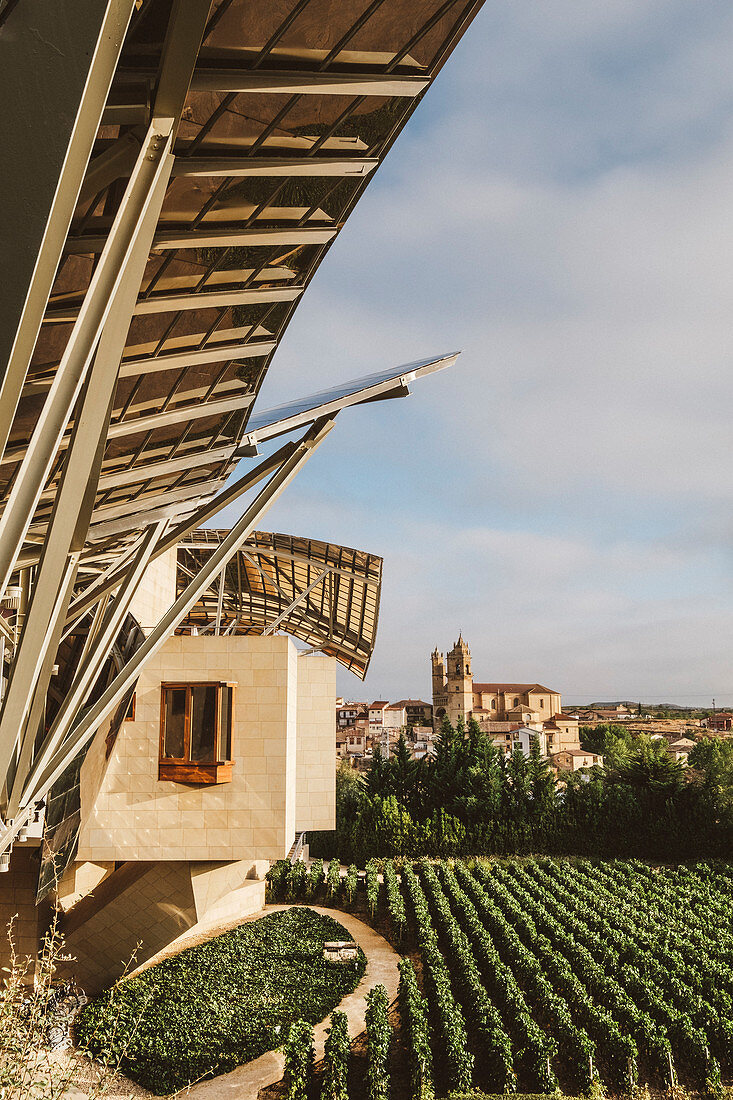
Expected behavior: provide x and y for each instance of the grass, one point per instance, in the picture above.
(222, 1003)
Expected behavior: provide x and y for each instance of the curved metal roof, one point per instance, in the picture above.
(325, 595)
(282, 117)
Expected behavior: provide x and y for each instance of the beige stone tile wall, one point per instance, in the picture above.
(140, 920)
(18, 904)
(316, 755)
(134, 816)
(80, 879)
(157, 591)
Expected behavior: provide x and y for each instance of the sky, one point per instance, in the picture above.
(560, 208)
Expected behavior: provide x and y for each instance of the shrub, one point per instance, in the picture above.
(297, 881)
(33, 1007)
(414, 1014)
(298, 1060)
(222, 1003)
(336, 1059)
(315, 878)
(333, 879)
(277, 878)
(379, 1037)
(351, 881)
(372, 885)
(395, 903)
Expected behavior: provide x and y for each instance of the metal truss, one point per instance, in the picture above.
(72, 728)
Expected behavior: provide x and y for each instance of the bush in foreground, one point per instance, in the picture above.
(222, 1003)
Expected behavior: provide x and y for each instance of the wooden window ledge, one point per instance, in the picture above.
(198, 775)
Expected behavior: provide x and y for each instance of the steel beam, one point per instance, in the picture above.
(210, 299)
(284, 83)
(140, 505)
(207, 299)
(91, 665)
(139, 208)
(56, 66)
(296, 602)
(217, 353)
(273, 167)
(214, 238)
(69, 523)
(180, 412)
(88, 599)
(130, 523)
(149, 471)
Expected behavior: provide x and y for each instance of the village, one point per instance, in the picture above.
(512, 714)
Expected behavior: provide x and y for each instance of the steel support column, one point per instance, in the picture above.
(272, 627)
(88, 599)
(91, 664)
(56, 68)
(69, 522)
(138, 211)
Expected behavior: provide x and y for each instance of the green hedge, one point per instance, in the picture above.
(222, 1003)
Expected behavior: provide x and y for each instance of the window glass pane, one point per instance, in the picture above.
(203, 722)
(174, 717)
(226, 723)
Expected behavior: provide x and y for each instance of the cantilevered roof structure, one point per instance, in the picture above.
(174, 173)
(326, 595)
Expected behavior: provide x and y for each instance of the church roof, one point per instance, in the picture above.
(513, 687)
(563, 719)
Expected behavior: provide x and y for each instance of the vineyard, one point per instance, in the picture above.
(541, 974)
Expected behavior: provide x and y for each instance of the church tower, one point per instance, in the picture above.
(459, 682)
(440, 690)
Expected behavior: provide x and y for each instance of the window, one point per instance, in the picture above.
(542, 704)
(196, 732)
(516, 702)
(493, 704)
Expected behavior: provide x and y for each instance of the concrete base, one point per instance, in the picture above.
(139, 911)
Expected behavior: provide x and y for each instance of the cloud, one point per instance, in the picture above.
(560, 208)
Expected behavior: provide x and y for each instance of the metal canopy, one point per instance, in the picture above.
(278, 127)
(374, 387)
(325, 595)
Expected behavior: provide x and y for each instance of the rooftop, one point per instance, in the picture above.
(512, 687)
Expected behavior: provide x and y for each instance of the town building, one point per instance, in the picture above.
(347, 714)
(681, 749)
(500, 708)
(523, 738)
(722, 722)
(575, 760)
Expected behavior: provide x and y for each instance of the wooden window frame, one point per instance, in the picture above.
(183, 769)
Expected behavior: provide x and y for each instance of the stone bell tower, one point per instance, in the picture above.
(440, 690)
(459, 682)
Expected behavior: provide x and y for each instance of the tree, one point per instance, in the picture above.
(377, 778)
(651, 767)
(349, 790)
(542, 782)
(403, 772)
